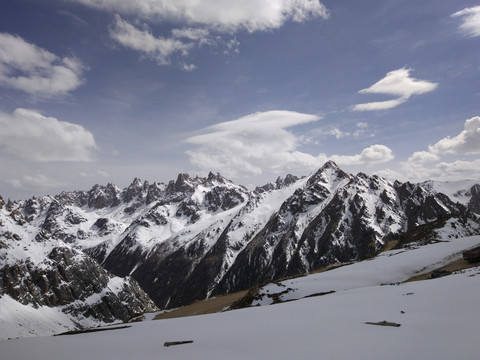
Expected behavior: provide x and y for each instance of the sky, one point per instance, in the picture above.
(99, 91)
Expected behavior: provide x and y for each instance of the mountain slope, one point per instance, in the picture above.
(39, 271)
(334, 325)
(201, 236)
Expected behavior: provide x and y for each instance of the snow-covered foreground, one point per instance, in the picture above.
(439, 320)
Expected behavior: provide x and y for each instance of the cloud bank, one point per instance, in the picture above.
(35, 182)
(396, 83)
(229, 16)
(252, 145)
(31, 136)
(467, 142)
(470, 21)
(26, 67)
(429, 165)
(260, 143)
(374, 154)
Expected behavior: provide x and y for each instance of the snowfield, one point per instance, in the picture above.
(439, 319)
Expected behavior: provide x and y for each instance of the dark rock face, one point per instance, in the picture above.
(474, 203)
(76, 282)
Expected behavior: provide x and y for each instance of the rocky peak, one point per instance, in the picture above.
(154, 192)
(104, 196)
(281, 183)
(11, 205)
(134, 190)
(211, 177)
(182, 184)
(31, 207)
(328, 173)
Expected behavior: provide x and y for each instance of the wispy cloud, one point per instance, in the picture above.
(252, 145)
(189, 67)
(197, 34)
(470, 20)
(157, 48)
(396, 83)
(29, 68)
(29, 135)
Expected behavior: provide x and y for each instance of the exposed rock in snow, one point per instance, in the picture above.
(195, 237)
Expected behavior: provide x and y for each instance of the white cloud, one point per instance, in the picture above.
(362, 130)
(379, 105)
(157, 48)
(207, 21)
(196, 34)
(26, 67)
(254, 144)
(31, 136)
(421, 157)
(470, 20)
(229, 16)
(424, 165)
(460, 169)
(467, 142)
(35, 182)
(232, 47)
(260, 143)
(337, 133)
(189, 67)
(97, 173)
(396, 83)
(374, 154)
(441, 171)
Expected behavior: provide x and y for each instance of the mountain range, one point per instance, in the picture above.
(109, 254)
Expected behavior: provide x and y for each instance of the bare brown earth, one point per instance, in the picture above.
(456, 265)
(213, 305)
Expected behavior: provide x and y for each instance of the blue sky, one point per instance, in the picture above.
(97, 91)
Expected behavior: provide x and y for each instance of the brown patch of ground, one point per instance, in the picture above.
(459, 264)
(210, 306)
(389, 245)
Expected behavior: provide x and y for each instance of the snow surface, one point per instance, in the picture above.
(439, 320)
(21, 320)
(389, 267)
(455, 190)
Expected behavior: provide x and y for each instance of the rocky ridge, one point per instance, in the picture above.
(196, 237)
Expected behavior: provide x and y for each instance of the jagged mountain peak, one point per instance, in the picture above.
(330, 164)
(329, 173)
(201, 236)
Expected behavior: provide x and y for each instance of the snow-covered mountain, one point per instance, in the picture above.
(196, 237)
(332, 316)
(40, 271)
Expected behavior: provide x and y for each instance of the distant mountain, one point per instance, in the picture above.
(200, 236)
